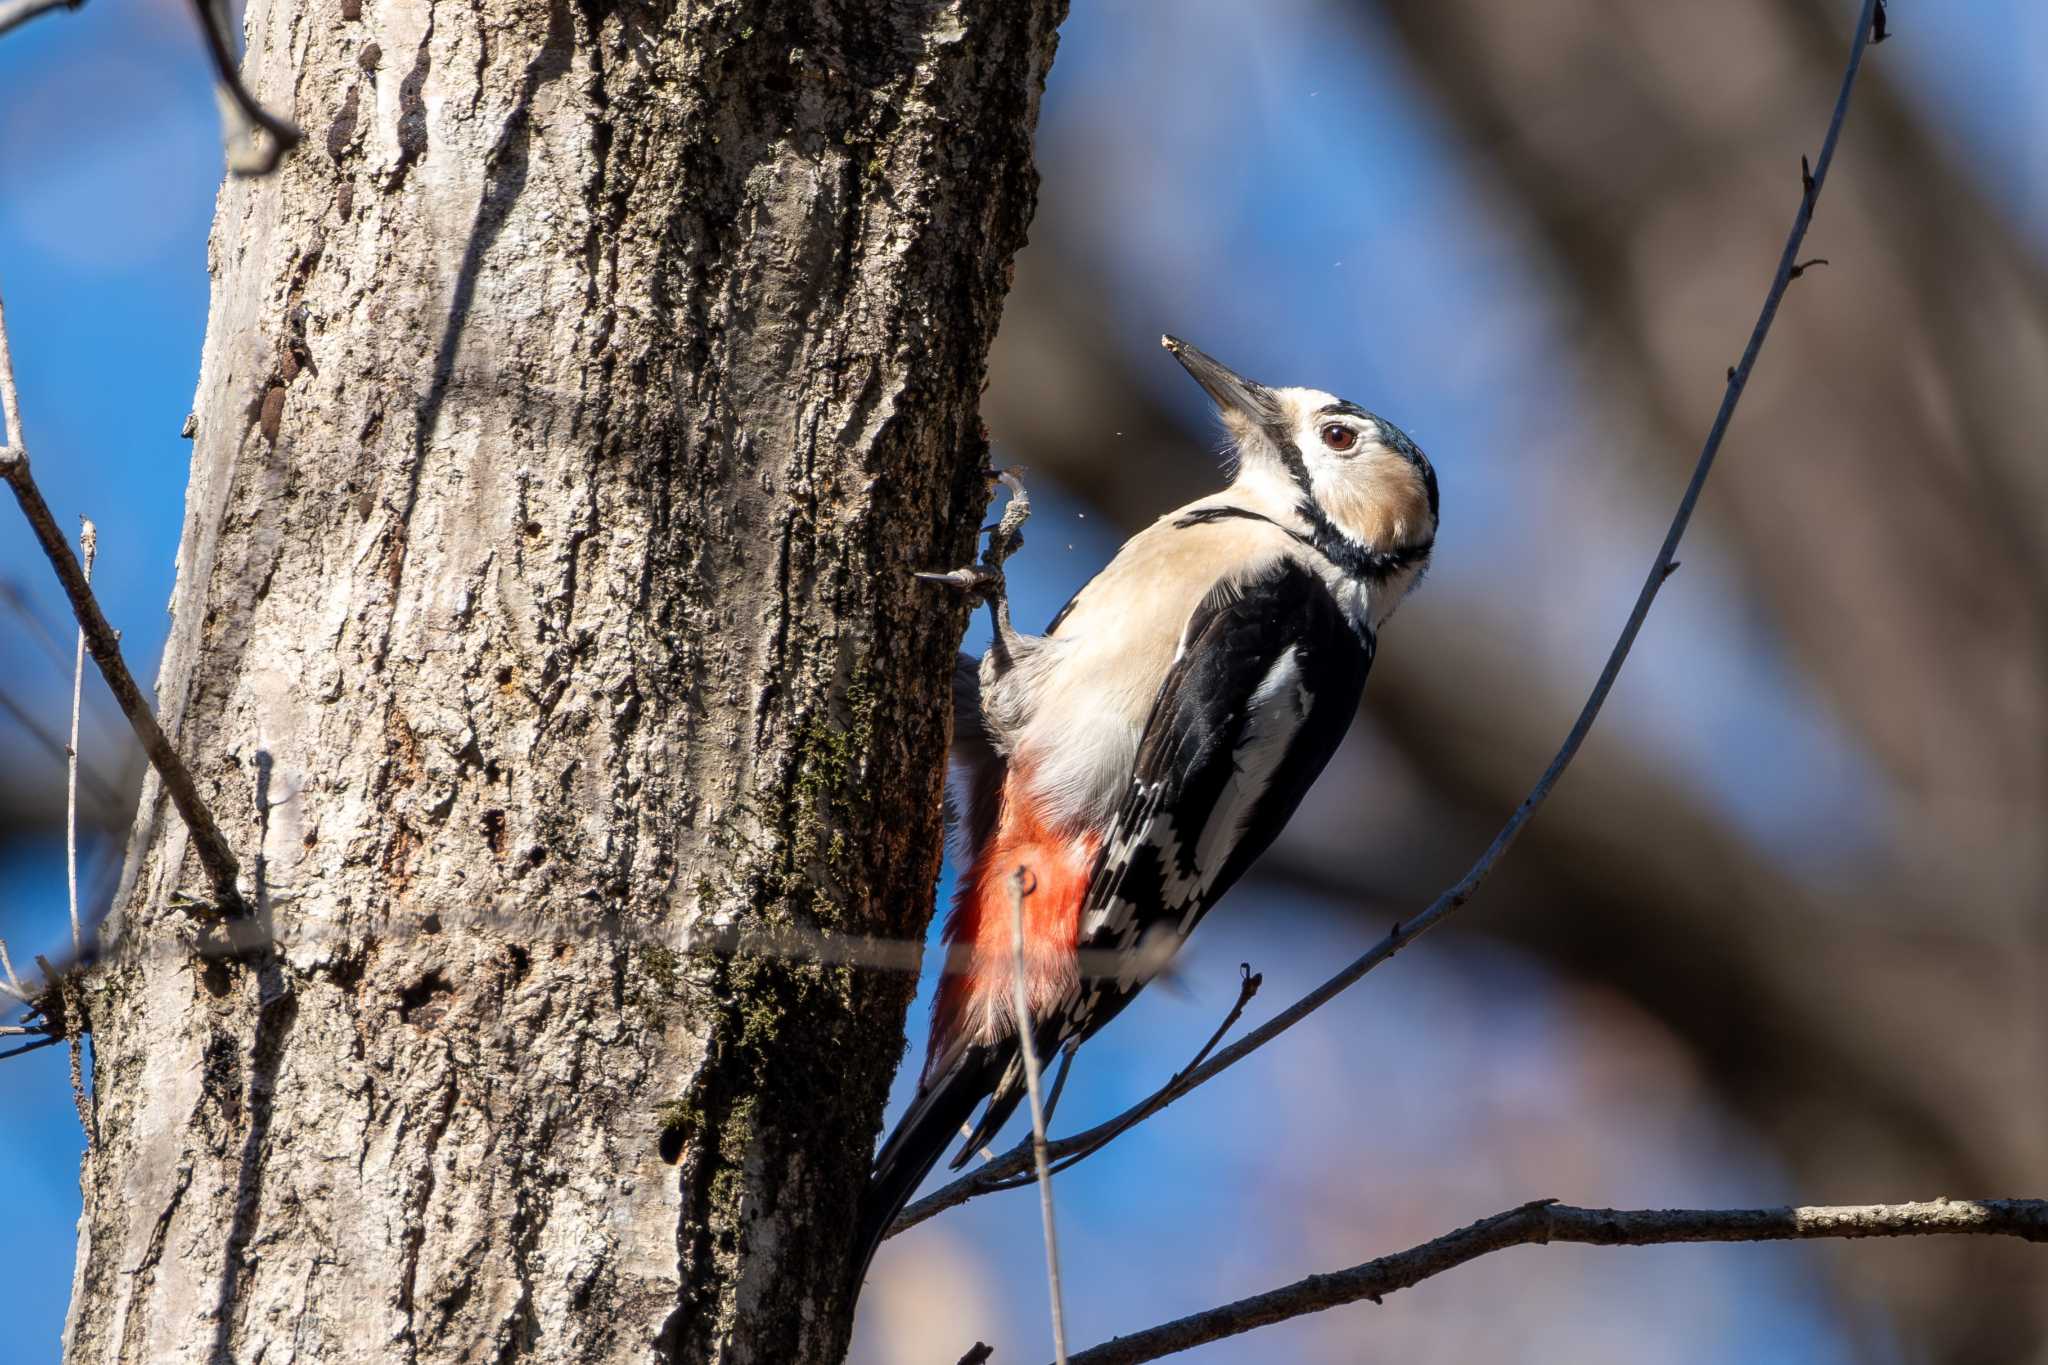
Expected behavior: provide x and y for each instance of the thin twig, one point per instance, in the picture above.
(1072, 1151)
(36, 1046)
(226, 69)
(13, 986)
(103, 642)
(74, 1007)
(88, 544)
(10, 400)
(18, 12)
(1012, 1169)
(1027, 1051)
(992, 1176)
(1249, 982)
(283, 135)
(1545, 1221)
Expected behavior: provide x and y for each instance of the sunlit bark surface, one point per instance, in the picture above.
(574, 407)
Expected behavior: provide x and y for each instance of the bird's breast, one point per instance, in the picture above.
(1097, 678)
(1081, 741)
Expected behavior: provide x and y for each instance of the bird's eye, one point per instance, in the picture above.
(1339, 437)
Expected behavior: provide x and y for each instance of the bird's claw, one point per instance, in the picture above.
(983, 582)
(973, 578)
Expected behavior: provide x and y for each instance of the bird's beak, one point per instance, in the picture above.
(1234, 394)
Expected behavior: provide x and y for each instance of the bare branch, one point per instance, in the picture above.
(88, 544)
(13, 985)
(1059, 1080)
(1011, 1170)
(16, 12)
(1072, 1151)
(241, 116)
(103, 642)
(1547, 1221)
(264, 157)
(1027, 1052)
(36, 1046)
(999, 1174)
(1088, 1144)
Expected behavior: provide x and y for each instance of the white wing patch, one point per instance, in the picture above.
(1276, 711)
(1274, 714)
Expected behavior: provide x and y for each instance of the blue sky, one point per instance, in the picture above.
(108, 163)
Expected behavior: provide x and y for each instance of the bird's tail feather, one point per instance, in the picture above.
(921, 1138)
(1006, 1085)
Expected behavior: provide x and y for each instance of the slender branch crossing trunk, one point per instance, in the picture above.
(575, 405)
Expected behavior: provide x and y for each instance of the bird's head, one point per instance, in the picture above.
(1331, 461)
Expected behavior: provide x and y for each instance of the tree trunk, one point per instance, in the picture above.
(575, 405)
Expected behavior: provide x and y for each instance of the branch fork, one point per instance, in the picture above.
(50, 1009)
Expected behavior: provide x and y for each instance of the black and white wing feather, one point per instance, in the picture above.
(1265, 686)
(1266, 682)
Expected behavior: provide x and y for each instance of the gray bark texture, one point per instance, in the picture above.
(575, 405)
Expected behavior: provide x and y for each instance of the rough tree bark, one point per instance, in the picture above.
(574, 407)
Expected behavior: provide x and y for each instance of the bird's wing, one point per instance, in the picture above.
(1265, 684)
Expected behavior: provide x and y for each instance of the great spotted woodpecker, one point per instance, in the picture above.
(1140, 755)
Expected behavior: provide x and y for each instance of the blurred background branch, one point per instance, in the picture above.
(255, 139)
(14, 13)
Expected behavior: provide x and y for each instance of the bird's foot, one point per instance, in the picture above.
(983, 581)
(1006, 537)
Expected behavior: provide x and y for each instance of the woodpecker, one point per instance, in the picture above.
(1139, 756)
